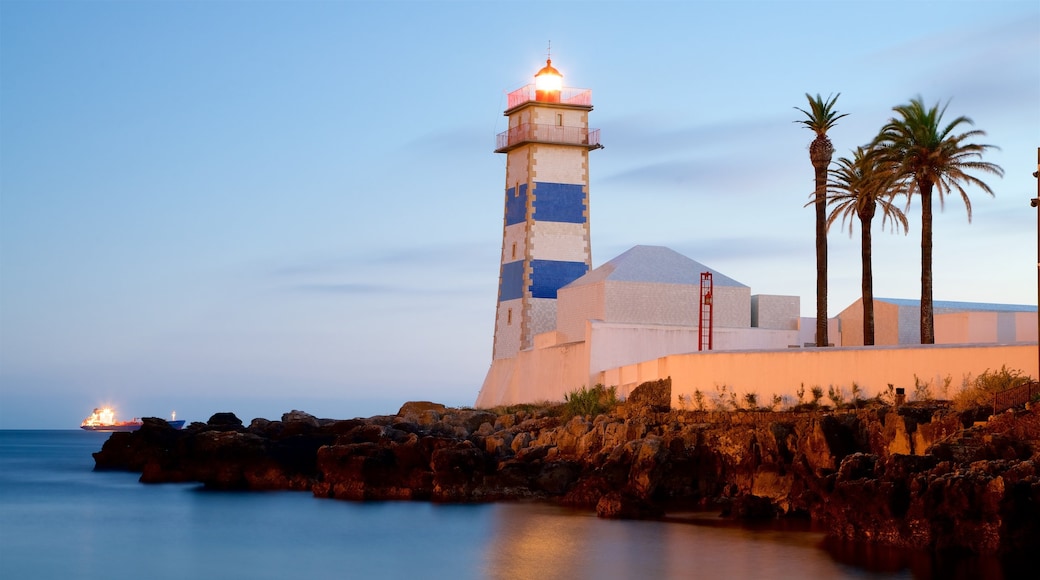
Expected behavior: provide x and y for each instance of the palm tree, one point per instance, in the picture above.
(820, 117)
(930, 155)
(860, 186)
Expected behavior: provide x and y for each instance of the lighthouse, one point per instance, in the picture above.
(545, 232)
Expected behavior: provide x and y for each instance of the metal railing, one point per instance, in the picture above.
(545, 133)
(1015, 396)
(568, 96)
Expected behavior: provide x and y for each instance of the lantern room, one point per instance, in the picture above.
(548, 83)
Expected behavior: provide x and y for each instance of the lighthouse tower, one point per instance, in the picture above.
(545, 235)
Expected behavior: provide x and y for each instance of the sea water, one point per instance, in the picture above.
(61, 519)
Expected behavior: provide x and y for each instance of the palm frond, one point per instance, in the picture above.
(862, 185)
(821, 116)
(924, 151)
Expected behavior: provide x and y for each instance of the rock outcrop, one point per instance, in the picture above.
(911, 476)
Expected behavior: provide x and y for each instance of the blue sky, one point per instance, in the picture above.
(264, 206)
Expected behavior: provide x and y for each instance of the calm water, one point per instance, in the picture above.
(60, 519)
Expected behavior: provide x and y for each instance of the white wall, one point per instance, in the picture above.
(577, 305)
(835, 331)
(535, 375)
(775, 312)
(1026, 329)
(783, 372)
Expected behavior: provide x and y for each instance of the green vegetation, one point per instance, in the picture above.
(817, 394)
(979, 392)
(698, 400)
(685, 402)
(888, 396)
(693, 402)
(860, 186)
(751, 400)
(819, 119)
(724, 399)
(856, 395)
(837, 396)
(925, 154)
(776, 402)
(544, 408)
(594, 401)
(915, 153)
(922, 390)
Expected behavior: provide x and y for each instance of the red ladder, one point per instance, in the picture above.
(707, 316)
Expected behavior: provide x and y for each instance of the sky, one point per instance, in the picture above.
(261, 206)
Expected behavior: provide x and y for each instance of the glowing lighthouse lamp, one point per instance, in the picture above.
(547, 83)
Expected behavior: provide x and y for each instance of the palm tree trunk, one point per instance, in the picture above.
(821, 254)
(927, 318)
(867, 282)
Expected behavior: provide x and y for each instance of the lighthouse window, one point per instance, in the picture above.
(514, 250)
(509, 316)
(559, 119)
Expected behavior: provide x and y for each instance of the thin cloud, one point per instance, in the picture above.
(347, 288)
(434, 255)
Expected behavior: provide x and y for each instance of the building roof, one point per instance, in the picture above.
(656, 264)
(951, 306)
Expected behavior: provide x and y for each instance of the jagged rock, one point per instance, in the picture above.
(649, 459)
(416, 408)
(557, 477)
(617, 505)
(295, 416)
(751, 507)
(975, 489)
(775, 484)
(224, 421)
(499, 445)
(652, 396)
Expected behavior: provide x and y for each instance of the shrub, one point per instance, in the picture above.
(817, 394)
(776, 402)
(856, 392)
(837, 396)
(887, 397)
(721, 398)
(698, 400)
(594, 401)
(922, 390)
(979, 392)
(685, 402)
(539, 408)
(751, 400)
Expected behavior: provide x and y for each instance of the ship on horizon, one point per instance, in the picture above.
(104, 419)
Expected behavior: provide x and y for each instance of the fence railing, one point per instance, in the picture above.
(545, 133)
(567, 96)
(1015, 396)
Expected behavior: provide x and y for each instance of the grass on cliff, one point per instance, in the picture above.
(539, 409)
(594, 401)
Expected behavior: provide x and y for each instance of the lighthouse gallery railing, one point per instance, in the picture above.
(545, 133)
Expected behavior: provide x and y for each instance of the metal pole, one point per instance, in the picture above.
(1036, 202)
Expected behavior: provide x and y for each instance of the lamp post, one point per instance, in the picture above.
(1036, 202)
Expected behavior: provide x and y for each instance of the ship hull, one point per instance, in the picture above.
(127, 426)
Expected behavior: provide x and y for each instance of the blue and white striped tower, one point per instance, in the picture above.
(545, 237)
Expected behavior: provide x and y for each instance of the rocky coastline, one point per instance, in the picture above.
(915, 476)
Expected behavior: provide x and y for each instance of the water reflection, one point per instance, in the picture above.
(952, 565)
(545, 542)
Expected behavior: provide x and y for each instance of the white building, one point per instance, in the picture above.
(898, 321)
(642, 305)
(652, 313)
